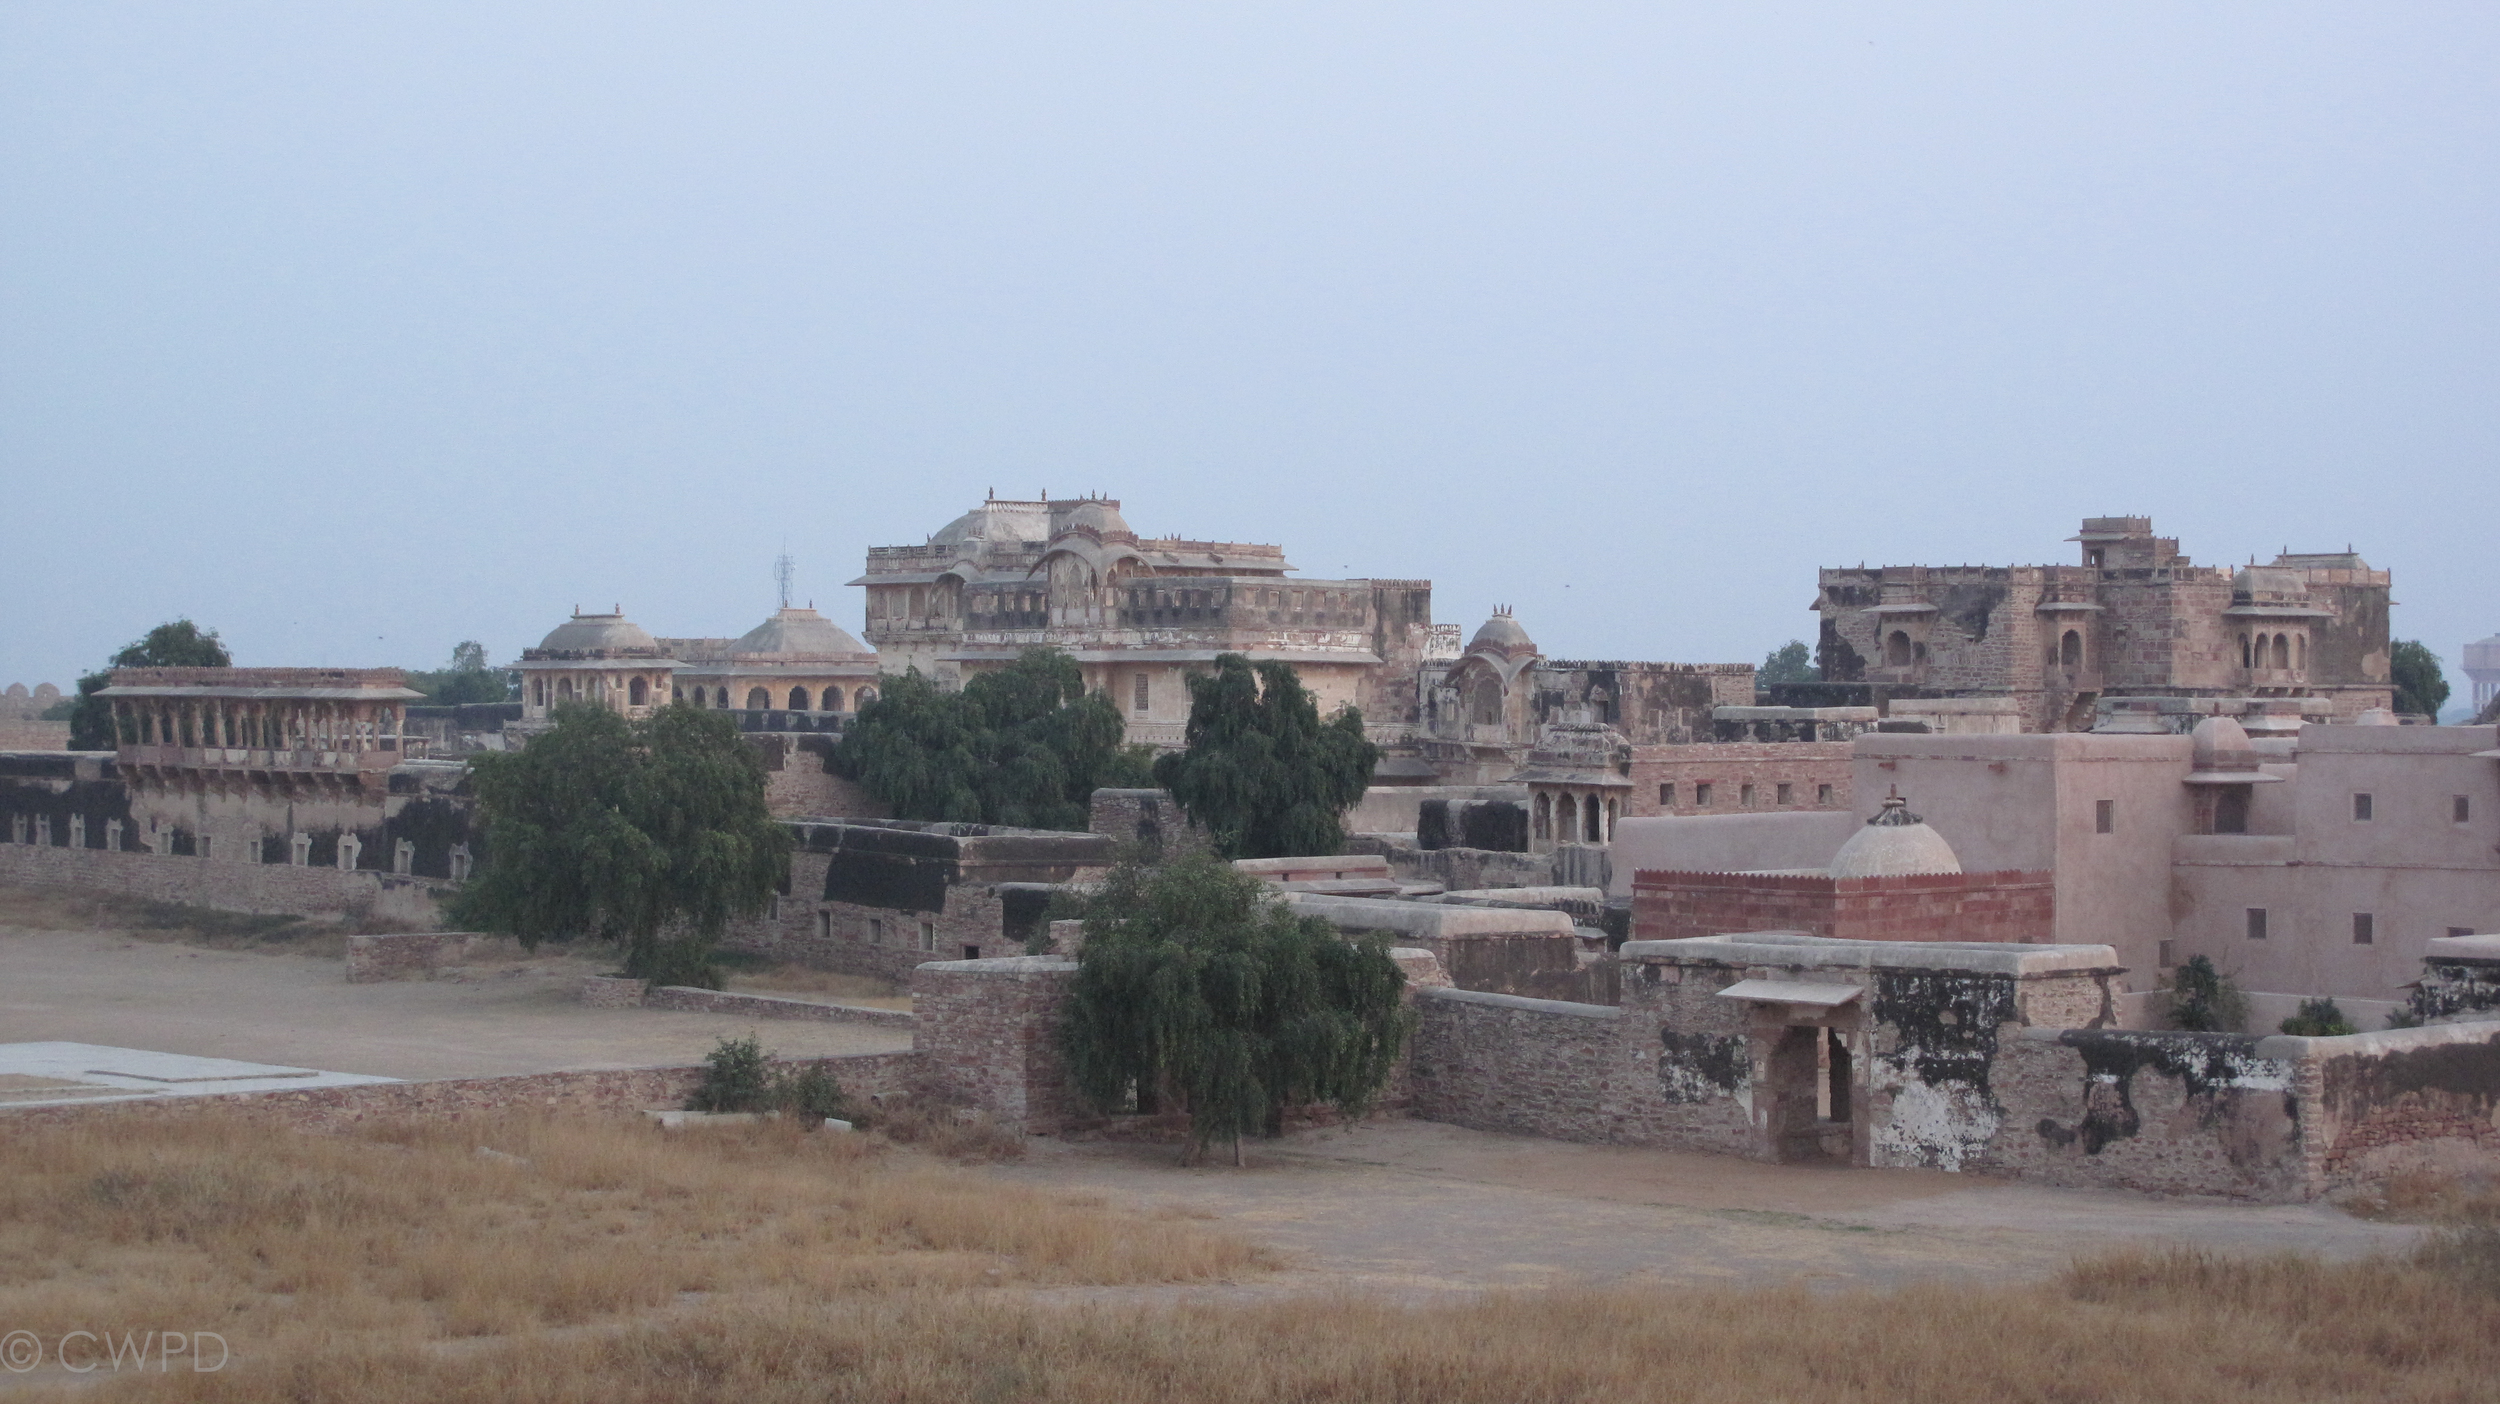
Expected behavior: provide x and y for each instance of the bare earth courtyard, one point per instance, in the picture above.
(1409, 1207)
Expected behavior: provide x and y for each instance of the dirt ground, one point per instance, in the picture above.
(519, 1014)
(1418, 1208)
(1413, 1208)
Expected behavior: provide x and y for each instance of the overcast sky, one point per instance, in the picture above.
(356, 330)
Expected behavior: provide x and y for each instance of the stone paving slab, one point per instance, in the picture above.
(44, 1074)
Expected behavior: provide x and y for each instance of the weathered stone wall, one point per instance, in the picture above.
(755, 1006)
(276, 889)
(608, 1091)
(2175, 1113)
(989, 1036)
(1458, 869)
(1741, 776)
(798, 786)
(1533, 1067)
(409, 955)
(1149, 818)
(1988, 907)
(2378, 1104)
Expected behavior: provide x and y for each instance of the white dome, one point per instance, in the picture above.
(598, 633)
(801, 632)
(1895, 843)
(1502, 634)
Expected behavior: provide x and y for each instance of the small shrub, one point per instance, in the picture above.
(737, 1077)
(809, 1093)
(2318, 1018)
(2203, 999)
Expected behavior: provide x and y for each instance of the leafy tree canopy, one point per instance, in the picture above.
(1263, 775)
(2204, 999)
(1791, 662)
(178, 643)
(468, 679)
(2420, 684)
(1196, 984)
(1023, 746)
(649, 833)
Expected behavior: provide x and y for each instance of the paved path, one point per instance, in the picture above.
(482, 1021)
(1422, 1208)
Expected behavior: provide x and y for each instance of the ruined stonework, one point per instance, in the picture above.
(403, 955)
(879, 897)
(2134, 619)
(989, 1037)
(1482, 715)
(1150, 819)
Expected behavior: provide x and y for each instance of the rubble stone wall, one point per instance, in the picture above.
(608, 1091)
(272, 889)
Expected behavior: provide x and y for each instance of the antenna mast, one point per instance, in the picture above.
(783, 569)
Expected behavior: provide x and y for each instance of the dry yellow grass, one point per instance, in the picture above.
(2153, 1328)
(782, 979)
(401, 1265)
(404, 1234)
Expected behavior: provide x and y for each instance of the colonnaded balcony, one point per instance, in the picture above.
(272, 726)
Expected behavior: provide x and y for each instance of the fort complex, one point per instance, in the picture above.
(1919, 913)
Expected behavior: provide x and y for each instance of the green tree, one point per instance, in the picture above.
(1263, 775)
(2204, 1000)
(467, 680)
(651, 834)
(1197, 985)
(1025, 745)
(2318, 1018)
(178, 643)
(1791, 662)
(2420, 685)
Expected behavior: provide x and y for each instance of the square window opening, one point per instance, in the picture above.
(2364, 928)
(2104, 816)
(1701, 795)
(1785, 795)
(2362, 805)
(2167, 956)
(2256, 923)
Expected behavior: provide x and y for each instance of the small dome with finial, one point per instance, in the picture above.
(1895, 843)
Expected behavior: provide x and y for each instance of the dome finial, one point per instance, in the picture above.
(1895, 813)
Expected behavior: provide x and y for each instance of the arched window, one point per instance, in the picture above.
(1897, 650)
(832, 699)
(1589, 831)
(2244, 650)
(2070, 649)
(864, 696)
(2283, 652)
(758, 700)
(2300, 650)
(1544, 822)
(720, 698)
(1485, 702)
(798, 699)
(637, 693)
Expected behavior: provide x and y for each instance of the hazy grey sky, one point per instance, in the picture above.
(355, 330)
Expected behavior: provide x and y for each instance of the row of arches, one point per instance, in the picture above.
(2282, 652)
(759, 699)
(1564, 818)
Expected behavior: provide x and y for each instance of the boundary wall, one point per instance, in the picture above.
(265, 889)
